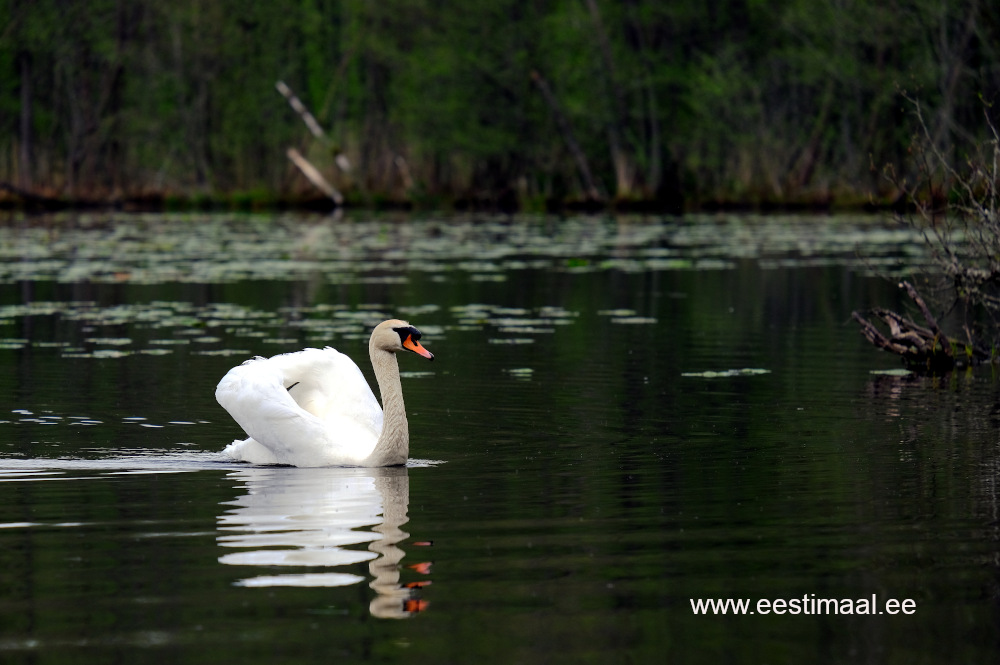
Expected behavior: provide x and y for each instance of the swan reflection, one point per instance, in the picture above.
(310, 518)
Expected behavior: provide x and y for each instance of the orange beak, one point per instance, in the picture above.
(415, 346)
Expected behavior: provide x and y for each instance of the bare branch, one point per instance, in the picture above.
(912, 292)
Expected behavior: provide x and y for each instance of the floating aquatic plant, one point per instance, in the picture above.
(212, 249)
(892, 372)
(726, 373)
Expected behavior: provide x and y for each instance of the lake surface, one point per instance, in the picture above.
(624, 416)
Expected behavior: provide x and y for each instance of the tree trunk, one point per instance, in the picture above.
(616, 123)
(24, 170)
(567, 133)
(653, 150)
(802, 170)
(953, 55)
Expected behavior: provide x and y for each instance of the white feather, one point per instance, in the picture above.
(308, 408)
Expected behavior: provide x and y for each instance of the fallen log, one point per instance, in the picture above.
(921, 347)
(314, 176)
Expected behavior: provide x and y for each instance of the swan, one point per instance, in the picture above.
(314, 408)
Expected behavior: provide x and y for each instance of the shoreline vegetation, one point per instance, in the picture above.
(13, 198)
(500, 105)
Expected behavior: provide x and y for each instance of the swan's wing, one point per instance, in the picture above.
(328, 384)
(333, 418)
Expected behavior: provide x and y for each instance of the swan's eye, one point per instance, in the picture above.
(410, 332)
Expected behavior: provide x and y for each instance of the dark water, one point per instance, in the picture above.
(623, 416)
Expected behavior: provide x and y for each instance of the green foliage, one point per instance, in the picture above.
(759, 99)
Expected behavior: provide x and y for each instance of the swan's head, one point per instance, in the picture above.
(395, 335)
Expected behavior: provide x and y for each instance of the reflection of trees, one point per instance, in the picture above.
(309, 518)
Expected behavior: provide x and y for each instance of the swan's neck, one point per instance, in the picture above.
(393, 445)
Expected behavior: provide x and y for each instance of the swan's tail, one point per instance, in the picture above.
(250, 451)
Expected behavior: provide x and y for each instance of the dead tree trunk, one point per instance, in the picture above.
(339, 158)
(314, 176)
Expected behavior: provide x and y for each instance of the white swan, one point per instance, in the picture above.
(314, 407)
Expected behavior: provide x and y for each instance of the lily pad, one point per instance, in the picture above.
(726, 373)
(892, 372)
